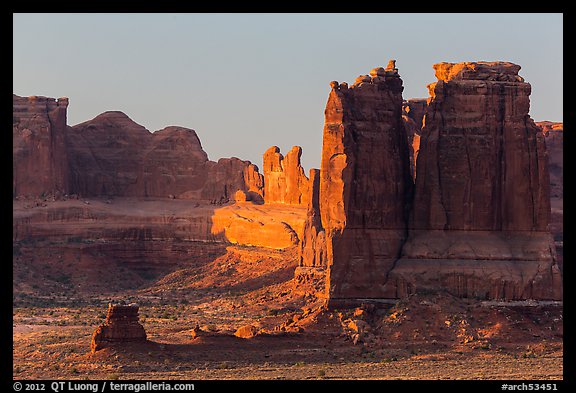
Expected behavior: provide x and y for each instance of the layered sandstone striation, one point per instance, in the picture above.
(156, 222)
(479, 225)
(121, 326)
(364, 188)
(39, 156)
(284, 178)
(111, 155)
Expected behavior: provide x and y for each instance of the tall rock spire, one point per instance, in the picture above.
(365, 187)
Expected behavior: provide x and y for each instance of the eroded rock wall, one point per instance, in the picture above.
(112, 156)
(365, 187)
(479, 226)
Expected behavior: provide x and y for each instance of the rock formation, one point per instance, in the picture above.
(106, 156)
(38, 146)
(121, 326)
(554, 138)
(365, 187)
(225, 177)
(111, 155)
(479, 226)
(284, 178)
(310, 274)
(167, 162)
(246, 331)
(413, 111)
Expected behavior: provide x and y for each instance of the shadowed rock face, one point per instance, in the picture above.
(106, 156)
(38, 146)
(284, 178)
(554, 138)
(415, 109)
(365, 186)
(310, 275)
(479, 225)
(111, 155)
(313, 246)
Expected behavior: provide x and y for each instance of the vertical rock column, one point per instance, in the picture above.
(364, 188)
(481, 206)
(310, 275)
(40, 164)
(121, 326)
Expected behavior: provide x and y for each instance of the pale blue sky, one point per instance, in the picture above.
(246, 82)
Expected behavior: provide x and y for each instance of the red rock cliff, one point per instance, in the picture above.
(38, 146)
(479, 226)
(111, 155)
(365, 186)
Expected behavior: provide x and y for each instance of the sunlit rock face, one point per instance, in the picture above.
(358, 224)
(284, 178)
(479, 225)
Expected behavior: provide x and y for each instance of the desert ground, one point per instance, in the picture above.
(192, 307)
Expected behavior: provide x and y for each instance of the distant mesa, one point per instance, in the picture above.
(111, 155)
